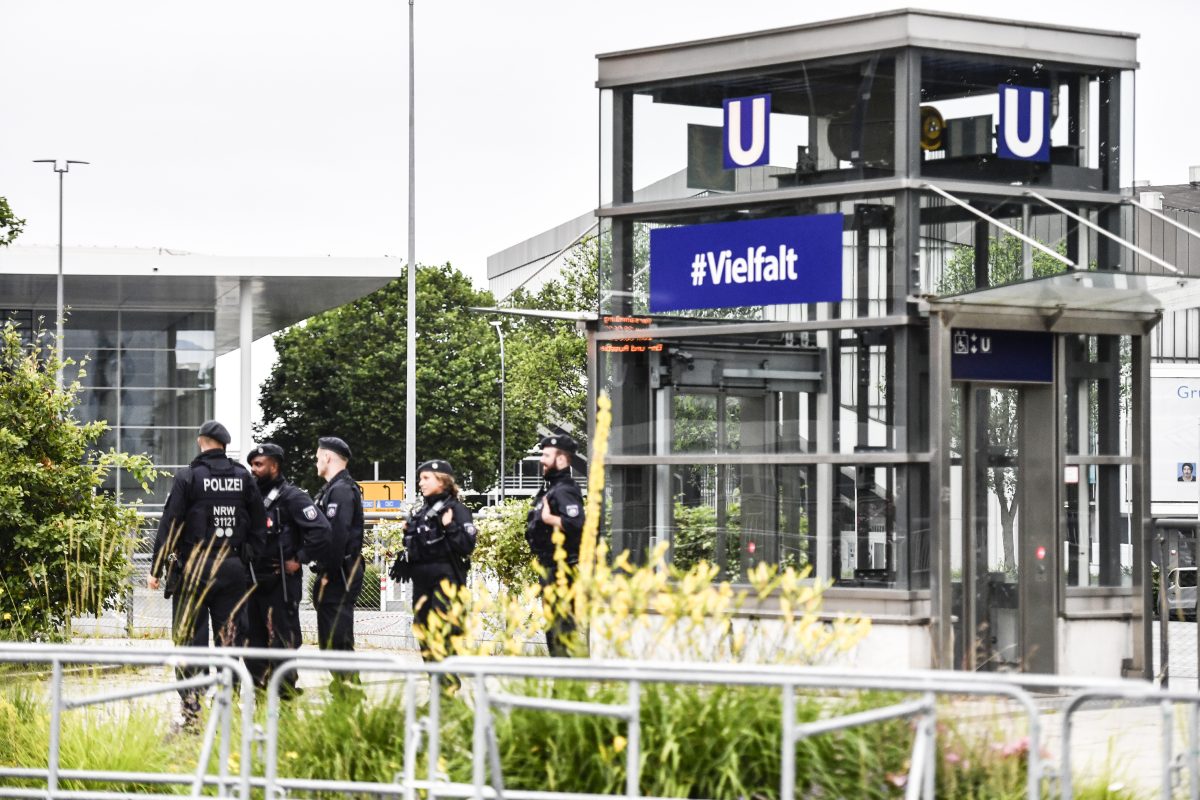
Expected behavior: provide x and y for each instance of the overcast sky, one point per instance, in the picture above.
(265, 127)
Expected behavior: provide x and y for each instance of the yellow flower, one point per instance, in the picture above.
(619, 743)
(7, 616)
(291, 755)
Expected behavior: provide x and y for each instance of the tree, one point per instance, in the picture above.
(546, 359)
(10, 224)
(342, 373)
(1005, 265)
(65, 542)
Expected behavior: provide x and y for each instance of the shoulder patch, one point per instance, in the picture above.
(331, 511)
(310, 513)
(572, 510)
(469, 528)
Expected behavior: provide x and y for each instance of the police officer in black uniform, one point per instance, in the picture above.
(438, 542)
(558, 506)
(297, 533)
(340, 580)
(212, 523)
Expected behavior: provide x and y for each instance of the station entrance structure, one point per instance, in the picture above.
(957, 436)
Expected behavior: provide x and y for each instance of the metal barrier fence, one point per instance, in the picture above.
(491, 681)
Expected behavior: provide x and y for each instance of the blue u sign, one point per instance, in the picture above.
(747, 131)
(1024, 123)
(753, 263)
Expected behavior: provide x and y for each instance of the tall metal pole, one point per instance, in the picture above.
(410, 424)
(58, 304)
(503, 462)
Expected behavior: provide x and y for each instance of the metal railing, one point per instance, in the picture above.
(491, 682)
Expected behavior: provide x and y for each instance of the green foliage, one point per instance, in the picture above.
(355, 740)
(696, 534)
(128, 740)
(546, 359)
(10, 224)
(1005, 265)
(66, 542)
(500, 549)
(342, 373)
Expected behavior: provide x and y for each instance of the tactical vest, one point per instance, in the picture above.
(217, 514)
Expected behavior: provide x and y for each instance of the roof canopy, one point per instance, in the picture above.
(284, 290)
(868, 34)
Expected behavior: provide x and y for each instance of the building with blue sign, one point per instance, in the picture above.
(903, 341)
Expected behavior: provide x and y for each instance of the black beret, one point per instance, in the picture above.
(436, 465)
(215, 431)
(560, 441)
(270, 450)
(336, 445)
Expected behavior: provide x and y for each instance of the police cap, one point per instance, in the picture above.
(270, 450)
(436, 465)
(334, 444)
(215, 431)
(559, 441)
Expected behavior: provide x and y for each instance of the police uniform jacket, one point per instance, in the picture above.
(213, 501)
(434, 549)
(562, 493)
(341, 503)
(296, 529)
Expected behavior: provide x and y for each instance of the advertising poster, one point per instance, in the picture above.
(1174, 439)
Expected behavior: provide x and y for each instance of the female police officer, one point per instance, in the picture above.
(438, 542)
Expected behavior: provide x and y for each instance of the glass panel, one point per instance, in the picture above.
(1097, 550)
(165, 445)
(90, 330)
(865, 542)
(960, 108)
(996, 530)
(94, 369)
(167, 330)
(97, 404)
(829, 121)
(170, 407)
(188, 369)
(738, 516)
(862, 424)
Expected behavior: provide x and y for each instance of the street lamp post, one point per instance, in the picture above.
(58, 308)
(500, 332)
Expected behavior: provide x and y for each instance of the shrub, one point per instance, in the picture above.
(66, 550)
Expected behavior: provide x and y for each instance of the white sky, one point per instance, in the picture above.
(279, 127)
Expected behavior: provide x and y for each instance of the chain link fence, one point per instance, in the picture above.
(382, 617)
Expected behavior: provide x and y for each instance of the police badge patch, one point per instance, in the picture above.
(572, 510)
(310, 513)
(331, 512)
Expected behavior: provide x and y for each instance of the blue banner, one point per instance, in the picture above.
(1002, 356)
(1024, 132)
(753, 263)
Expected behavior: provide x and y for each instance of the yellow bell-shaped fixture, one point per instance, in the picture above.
(933, 129)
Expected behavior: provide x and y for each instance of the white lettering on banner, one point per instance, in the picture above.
(222, 484)
(757, 267)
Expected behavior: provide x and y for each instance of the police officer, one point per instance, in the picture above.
(297, 533)
(212, 523)
(558, 506)
(438, 542)
(340, 580)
